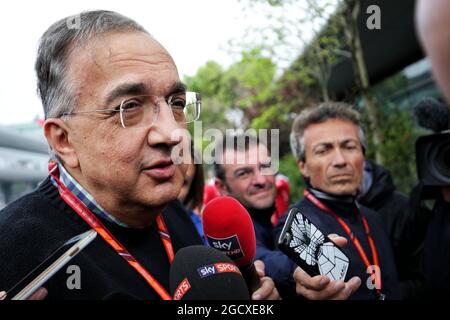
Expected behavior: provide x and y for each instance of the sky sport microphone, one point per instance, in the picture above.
(204, 273)
(228, 227)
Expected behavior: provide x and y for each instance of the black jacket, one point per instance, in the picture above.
(277, 265)
(436, 260)
(35, 225)
(328, 225)
(405, 225)
(392, 206)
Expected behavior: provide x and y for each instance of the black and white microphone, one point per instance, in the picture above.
(204, 273)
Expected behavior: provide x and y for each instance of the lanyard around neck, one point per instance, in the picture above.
(80, 208)
(353, 238)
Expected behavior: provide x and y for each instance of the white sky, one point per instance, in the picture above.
(192, 31)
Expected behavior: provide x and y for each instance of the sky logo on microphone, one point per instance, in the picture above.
(207, 271)
(230, 246)
(221, 267)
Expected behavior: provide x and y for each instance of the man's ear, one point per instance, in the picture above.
(56, 132)
(221, 186)
(303, 168)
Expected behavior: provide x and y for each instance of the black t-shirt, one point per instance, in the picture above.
(38, 223)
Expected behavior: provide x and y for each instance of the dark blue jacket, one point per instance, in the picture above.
(277, 265)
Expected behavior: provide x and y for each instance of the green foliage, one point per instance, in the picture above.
(266, 117)
(288, 33)
(398, 147)
(289, 168)
(209, 82)
(208, 79)
(250, 85)
(248, 81)
(397, 129)
(247, 85)
(272, 116)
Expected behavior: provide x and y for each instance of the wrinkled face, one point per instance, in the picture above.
(333, 157)
(249, 177)
(130, 166)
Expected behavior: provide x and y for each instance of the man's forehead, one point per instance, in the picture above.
(135, 52)
(118, 45)
(119, 59)
(331, 131)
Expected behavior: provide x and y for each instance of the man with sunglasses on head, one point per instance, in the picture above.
(112, 100)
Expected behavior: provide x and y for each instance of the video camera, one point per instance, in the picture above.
(433, 151)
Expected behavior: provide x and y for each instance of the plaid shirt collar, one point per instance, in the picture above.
(85, 197)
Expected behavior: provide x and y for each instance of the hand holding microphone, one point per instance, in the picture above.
(229, 228)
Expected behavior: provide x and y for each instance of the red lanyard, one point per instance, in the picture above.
(80, 208)
(353, 238)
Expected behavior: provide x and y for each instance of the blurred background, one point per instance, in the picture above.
(256, 63)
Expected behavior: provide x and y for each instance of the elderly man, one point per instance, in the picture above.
(112, 99)
(328, 144)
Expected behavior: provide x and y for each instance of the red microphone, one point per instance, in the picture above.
(229, 228)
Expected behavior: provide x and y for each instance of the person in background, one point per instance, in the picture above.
(191, 193)
(406, 227)
(328, 143)
(243, 171)
(433, 26)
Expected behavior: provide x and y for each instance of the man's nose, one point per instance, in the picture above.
(338, 158)
(164, 128)
(259, 178)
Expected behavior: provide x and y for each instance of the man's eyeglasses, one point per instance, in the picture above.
(143, 110)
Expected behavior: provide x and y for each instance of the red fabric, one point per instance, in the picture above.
(282, 200)
(210, 192)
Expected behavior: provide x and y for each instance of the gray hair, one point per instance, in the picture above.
(325, 111)
(55, 47)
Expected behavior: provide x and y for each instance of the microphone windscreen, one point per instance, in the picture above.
(229, 228)
(432, 114)
(204, 273)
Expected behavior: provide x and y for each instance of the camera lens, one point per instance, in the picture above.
(443, 159)
(433, 159)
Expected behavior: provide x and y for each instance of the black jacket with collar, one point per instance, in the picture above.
(38, 223)
(406, 224)
(350, 214)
